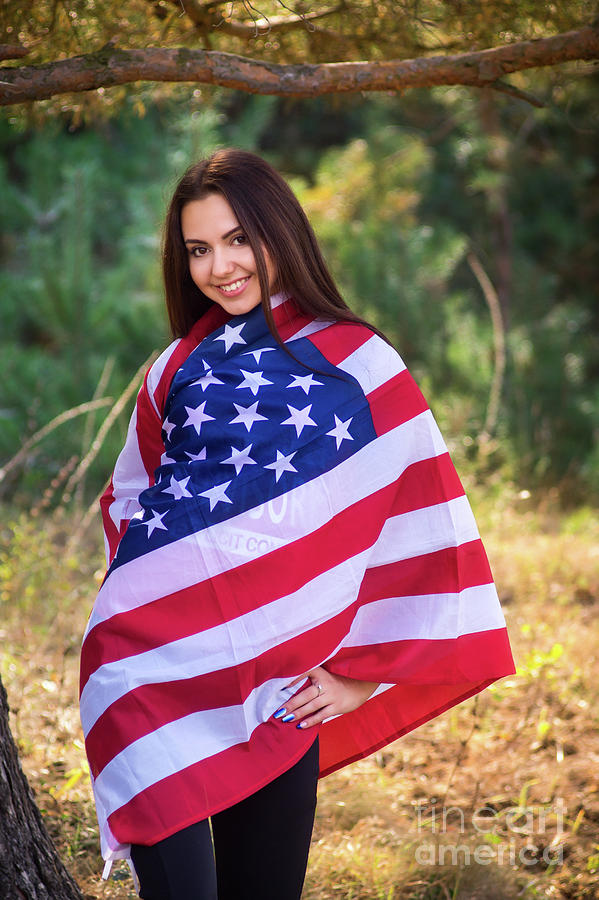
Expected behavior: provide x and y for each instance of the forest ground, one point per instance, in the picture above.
(495, 800)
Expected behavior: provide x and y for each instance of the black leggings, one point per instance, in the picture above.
(258, 850)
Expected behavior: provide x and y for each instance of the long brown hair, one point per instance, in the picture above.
(272, 219)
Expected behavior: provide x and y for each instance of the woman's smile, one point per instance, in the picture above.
(234, 287)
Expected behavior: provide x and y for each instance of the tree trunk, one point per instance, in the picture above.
(30, 868)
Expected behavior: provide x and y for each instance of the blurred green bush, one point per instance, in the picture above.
(400, 193)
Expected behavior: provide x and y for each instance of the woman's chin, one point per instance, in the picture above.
(238, 306)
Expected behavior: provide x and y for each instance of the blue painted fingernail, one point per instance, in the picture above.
(280, 712)
(288, 718)
(301, 725)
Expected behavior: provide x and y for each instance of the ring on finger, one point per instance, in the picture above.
(319, 687)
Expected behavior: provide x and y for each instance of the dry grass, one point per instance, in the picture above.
(530, 742)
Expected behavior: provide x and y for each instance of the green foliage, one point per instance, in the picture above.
(394, 268)
(39, 581)
(81, 281)
(554, 410)
(399, 194)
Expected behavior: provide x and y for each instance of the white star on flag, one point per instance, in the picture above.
(194, 457)
(305, 382)
(165, 460)
(168, 427)
(247, 415)
(232, 335)
(155, 522)
(207, 378)
(340, 432)
(197, 416)
(253, 381)
(178, 488)
(217, 494)
(258, 353)
(299, 418)
(239, 459)
(282, 464)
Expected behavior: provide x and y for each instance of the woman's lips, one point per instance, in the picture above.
(233, 288)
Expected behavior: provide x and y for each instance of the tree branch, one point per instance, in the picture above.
(274, 24)
(490, 295)
(111, 66)
(505, 87)
(13, 51)
(204, 18)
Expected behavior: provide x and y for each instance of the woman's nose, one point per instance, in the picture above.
(222, 262)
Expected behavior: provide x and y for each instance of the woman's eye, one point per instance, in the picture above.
(240, 239)
(198, 251)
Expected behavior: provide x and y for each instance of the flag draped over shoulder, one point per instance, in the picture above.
(270, 513)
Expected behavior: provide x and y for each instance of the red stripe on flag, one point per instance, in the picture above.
(112, 533)
(441, 572)
(196, 792)
(392, 403)
(452, 660)
(148, 429)
(337, 343)
(289, 320)
(396, 401)
(427, 483)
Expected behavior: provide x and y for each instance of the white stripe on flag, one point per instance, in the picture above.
(278, 299)
(129, 478)
(156, 371)
(372, 364)
(307, 330)
(425, 531)
(427, 617)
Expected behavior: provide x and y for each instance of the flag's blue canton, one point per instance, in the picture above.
(243, 424)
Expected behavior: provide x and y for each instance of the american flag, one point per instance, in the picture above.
(272, 511)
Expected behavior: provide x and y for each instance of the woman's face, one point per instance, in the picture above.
(221, 261)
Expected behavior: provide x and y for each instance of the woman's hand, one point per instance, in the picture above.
(327, 695)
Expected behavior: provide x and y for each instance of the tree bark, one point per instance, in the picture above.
(111, 66)
(30, 868)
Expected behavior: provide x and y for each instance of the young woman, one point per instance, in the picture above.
(295, 575)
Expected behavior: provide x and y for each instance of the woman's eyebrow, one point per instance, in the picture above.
(224, 237)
